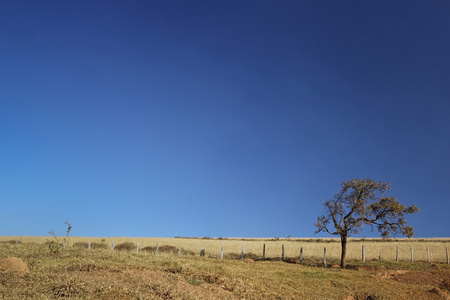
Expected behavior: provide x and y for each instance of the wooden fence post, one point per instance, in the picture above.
(301, 255)
(157, 248)
(446, 249)
(363, 254)
(325, 256)
(89, 246)
(264, 251)
(242, 254)
(428, 254)
(412, 256)
(112, 246)
(221, 253)
(282, 252)
(396, 254)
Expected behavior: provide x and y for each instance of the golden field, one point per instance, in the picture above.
(312, 248)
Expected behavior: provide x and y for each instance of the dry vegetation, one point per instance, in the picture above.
(312, 248)
(77, 272)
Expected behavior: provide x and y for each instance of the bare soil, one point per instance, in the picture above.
(14, 264)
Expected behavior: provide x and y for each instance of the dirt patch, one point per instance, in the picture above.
(364, 268)
(393, 274)
(440, 293)
(166, 285)
(445, 284)
(437, 279)
(335, 266)
(430, 278)
(14, 264)
(435, 267)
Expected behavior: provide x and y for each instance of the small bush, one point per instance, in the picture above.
(125, 247)
(195, 281)
(149, 249)
(54, 247)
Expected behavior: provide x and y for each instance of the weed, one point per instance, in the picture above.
(67, 237)
(55, 245)
(194, 280)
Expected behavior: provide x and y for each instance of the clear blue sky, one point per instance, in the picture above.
(219, 118)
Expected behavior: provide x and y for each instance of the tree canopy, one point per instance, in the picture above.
(361, 202)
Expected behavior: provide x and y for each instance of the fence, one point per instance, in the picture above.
(301, 253)
(299, 250)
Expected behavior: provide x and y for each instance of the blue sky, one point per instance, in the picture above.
(219, 118)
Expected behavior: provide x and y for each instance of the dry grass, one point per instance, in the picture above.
(80, 273)
(313, 249)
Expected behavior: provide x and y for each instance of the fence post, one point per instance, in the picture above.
(412, 256)
(137, 248)
(428, 254)
(179, 251)
(396, 254)
(325, 256)
(157, 248)
(221, 252)
(264, 251)
(112, 246)
(242, 254)
(201, 249)
(64, 245)
(363, 253)
(89, 246)
(301, 255)
(282, 252)
(446, 249)
(17, 242)
(379, 257)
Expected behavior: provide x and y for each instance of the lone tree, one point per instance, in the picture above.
(360, 202)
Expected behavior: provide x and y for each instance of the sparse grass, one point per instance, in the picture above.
(312, 248)
(79, 273)
(194, 281)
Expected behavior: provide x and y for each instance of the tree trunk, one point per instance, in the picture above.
(344, 249)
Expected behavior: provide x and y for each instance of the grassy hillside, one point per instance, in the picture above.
(102, 274)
